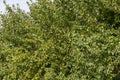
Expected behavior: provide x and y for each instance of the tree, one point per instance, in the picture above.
(61, 40)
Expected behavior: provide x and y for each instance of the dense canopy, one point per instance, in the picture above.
(61, 40)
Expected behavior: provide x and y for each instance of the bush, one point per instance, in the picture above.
(61, 40)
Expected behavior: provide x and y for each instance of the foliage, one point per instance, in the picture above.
(61, 40)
